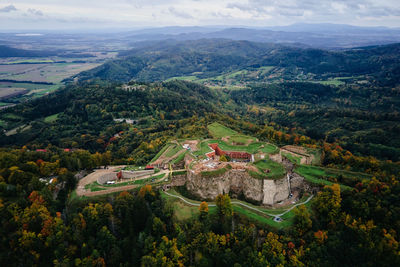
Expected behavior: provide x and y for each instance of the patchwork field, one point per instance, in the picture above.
(22, 79)
(49, 72)
(7, 92)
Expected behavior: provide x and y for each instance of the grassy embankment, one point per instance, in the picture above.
(319, 176)
(185, 211)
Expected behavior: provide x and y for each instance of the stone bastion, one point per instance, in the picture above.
(238, 181)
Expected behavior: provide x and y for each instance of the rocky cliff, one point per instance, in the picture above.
(238, 182)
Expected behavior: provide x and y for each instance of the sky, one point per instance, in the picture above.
(101, 14)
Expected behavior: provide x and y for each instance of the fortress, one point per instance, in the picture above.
(210, 177)
(234, 164)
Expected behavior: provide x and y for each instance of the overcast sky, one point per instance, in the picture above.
(79, 14)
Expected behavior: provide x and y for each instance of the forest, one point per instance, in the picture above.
(124, 112)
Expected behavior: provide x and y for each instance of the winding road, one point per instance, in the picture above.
(244, 205)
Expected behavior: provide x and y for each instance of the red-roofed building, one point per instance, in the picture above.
(232, 154)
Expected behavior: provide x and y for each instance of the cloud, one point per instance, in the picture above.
(8, 9)
(35, 12)
(319, 8)
(148, 13)
(179, 14)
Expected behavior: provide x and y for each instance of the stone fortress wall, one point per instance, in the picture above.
(236, 181)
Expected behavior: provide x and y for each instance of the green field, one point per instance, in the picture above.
(184, 78)
(218, 130)
(51, 118)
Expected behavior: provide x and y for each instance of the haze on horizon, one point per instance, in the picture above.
(103, 14)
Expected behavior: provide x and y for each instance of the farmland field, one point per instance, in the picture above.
(52, 73)
(23, 79)
(6, 92)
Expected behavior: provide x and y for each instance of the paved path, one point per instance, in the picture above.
(242, 204)
(81, 191)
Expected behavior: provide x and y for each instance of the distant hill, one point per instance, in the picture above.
(325, 35)
(211, 57)
(6, 51)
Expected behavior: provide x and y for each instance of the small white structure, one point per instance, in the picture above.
(186, 146)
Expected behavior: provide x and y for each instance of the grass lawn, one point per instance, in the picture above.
(243, 139)
(93, 187)
(292, 158)
(269, 148)
(265, 219)
(276, 170)
(98, 187)
(203, 149)
(160, 152)
(184, 211)
(179, 158)
(173, 150)
(218, 130)
(317, 155)
(251, 148)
